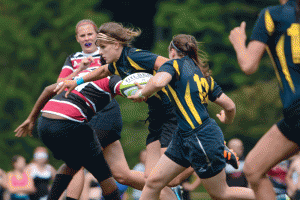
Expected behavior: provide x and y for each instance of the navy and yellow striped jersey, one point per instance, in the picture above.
(134, 60)
(190, 91)
(278, 29)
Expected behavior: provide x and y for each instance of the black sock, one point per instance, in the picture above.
(59, 185)
(115, 195)
(70, 198)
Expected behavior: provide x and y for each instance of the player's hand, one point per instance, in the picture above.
(136, 97)
(25, 128)
(222, 116)
(85, 63)
(238, 34)
(69, 84)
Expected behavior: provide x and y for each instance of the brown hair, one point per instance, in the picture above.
(186, 45)
(115, 32)
(15, 159)
(84, 22)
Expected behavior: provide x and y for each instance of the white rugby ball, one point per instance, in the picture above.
(128, 88)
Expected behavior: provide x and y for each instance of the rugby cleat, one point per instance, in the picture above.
(231, 157)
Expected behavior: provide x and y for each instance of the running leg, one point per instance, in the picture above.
(272, 148)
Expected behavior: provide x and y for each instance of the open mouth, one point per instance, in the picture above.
(87, 44)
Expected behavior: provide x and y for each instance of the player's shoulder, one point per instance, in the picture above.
(275, 11)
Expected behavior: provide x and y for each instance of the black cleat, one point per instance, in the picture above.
(231, 157)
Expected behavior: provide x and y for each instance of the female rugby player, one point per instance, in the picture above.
(199, 141)
(107, 123)
(63, 129)
(277, 30)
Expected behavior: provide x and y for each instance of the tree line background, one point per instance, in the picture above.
(37, 36)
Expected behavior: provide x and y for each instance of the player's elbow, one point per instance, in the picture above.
(159, 84)
(249, 68)
(231, 107)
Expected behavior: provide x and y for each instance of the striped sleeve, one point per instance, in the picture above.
(168, 67)
(141, 59)
(114, 84)
(215, 90)
(67, 69)
(264, 27)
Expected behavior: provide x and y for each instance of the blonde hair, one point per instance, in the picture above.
(187, 45)
(85, 22)
(115, 32)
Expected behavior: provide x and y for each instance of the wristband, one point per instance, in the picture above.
(79, 80)
(140, 94)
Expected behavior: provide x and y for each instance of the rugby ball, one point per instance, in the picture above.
(128, 88)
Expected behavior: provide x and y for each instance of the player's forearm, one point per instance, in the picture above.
(247, 62)
(75, 73)
(42, 100)
(156, 83)
(97, 74)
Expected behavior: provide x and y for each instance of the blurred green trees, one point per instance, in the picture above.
(37, 36)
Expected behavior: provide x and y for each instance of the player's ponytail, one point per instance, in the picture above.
(115, 32)
(186, 45)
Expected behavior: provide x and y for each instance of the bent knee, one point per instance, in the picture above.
(154, 183)
(252, 172)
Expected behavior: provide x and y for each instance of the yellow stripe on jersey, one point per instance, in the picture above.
(134, 64)
(189, 102)
(212, 84)
(269, 23)
(294, 33)
(275, 68)
(181, 108)
(283, 63)
(176, 67)
(116, 70)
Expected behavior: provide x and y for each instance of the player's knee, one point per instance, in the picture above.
(154, 183)
(251, 172)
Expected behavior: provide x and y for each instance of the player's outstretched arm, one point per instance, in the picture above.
(250, 56)
(155, 84)
(27, 126)
(227, 115)
(97, 74)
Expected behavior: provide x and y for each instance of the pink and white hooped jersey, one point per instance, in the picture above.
(73, 62)
(86, 99)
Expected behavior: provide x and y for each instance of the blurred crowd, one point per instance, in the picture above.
(33, 180)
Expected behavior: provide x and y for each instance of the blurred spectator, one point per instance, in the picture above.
(2, 183)
(293, 178)
(91, 188)
(236, 177)
(41, 172)
(18, 181)
(277, 176)
(187, 187)
(136, 194)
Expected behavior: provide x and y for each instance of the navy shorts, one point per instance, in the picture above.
(290, 128)
(74, 143)
(162, 125)
(201, 148)
(108, 124)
